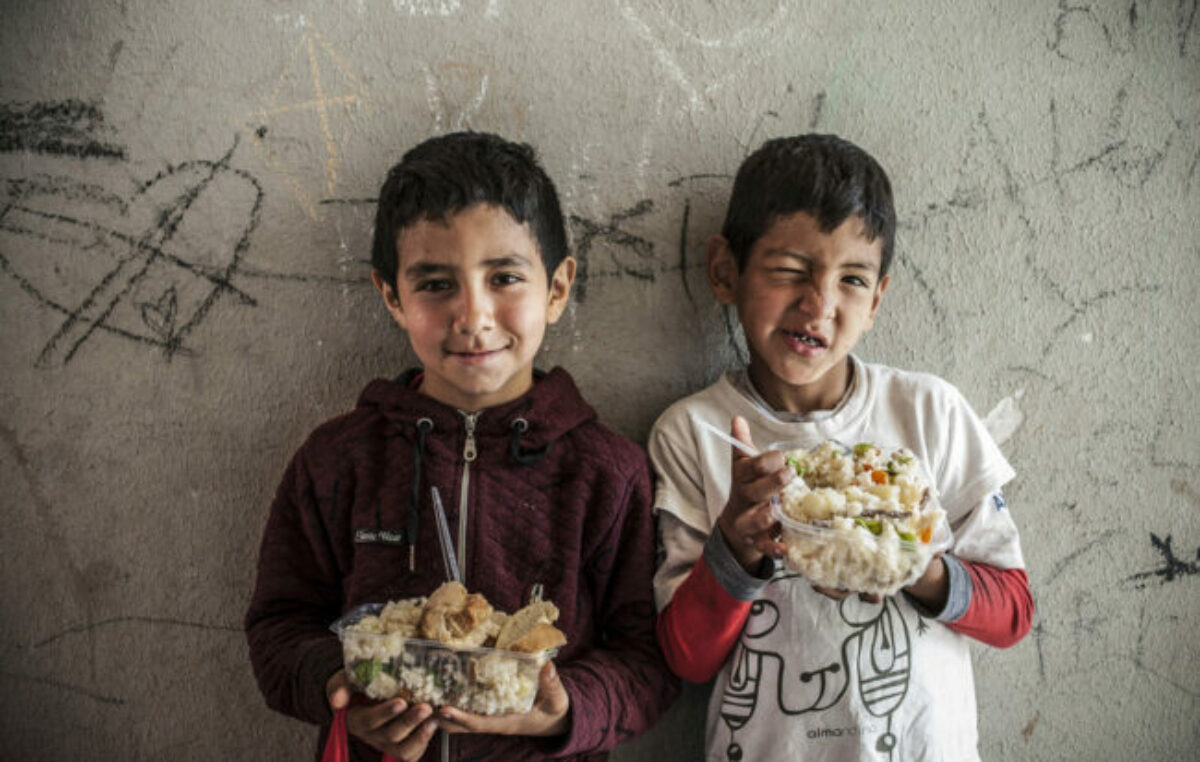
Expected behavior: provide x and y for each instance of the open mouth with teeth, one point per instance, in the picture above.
(807, 339)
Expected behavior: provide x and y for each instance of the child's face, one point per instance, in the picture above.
(473, 296)
(804, 299)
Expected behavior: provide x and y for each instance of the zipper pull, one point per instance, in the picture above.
(469, 451)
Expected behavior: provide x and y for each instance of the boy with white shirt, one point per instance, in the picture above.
(805, 672)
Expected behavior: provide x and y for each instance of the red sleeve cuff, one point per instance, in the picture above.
(1000, 613)
(700, 626)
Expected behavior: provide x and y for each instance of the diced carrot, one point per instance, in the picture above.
(879, 477)
(926, 534)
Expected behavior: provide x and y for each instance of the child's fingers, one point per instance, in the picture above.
(408, 723)
(831, 592)
(755, 488)
(754, 524)
(770, 543)
(337, 690)
(367, 719)
(412, 746)
(740, 430)
(552, 697)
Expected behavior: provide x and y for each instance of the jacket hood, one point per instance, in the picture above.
(551, 409)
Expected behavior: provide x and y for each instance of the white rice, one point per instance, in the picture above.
(842, 526)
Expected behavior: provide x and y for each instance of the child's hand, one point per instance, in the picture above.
(931, 589)
(547, 717)
(746, 521)
(392, 727)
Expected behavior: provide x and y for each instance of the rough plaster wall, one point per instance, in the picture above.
(183, 294)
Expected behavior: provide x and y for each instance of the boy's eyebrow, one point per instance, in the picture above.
(424, 269)
(507, 260)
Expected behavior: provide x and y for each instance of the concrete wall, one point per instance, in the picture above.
(184, 230)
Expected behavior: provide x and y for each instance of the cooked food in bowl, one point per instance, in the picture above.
(450, 649)
(863, 518)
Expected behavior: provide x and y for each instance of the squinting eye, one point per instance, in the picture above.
(507, 279)
(854, 280)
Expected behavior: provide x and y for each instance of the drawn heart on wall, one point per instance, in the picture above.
(146, 269)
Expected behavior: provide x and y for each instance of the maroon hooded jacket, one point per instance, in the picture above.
(552, 497)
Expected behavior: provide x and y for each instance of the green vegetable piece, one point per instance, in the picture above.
(862, 448)
(873, 526)
(800, 468)
(906, 536)
(367, 671)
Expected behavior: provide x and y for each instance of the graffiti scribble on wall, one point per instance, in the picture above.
(1172, 568)
(66, 128)
(147, 268)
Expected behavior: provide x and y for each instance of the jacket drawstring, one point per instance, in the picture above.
(525, 457)
(424, 426)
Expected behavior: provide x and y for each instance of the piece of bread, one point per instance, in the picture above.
(542, 637)
(456, 617)
(526, 629)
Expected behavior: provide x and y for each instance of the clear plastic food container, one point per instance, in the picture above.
(862, 554)
(479, 680)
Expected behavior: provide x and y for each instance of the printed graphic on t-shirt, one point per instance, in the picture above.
(998, 501)
(874, 664)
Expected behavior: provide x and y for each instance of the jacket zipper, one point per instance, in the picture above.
(469, 455)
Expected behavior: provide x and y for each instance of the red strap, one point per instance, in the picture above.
(337, 744)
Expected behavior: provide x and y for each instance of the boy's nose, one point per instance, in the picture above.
(473, 313)
(817, 301)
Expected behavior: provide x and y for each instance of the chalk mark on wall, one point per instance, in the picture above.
(667, 53)
(1185, 12)
(333, 89)
(1171, 569)
(66, 187)
(1075, 554)
(142, 288)
(1068, 17)
(38, 680)
(641, 266)
(89, 627)
(684, 244)
(461, 74)
(63, 128)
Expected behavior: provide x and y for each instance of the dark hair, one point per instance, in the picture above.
(446, 174)
(823, 175)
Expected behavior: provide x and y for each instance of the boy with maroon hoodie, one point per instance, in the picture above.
(470, 258)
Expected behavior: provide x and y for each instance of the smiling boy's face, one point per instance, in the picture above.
(474, 297)
(804, 299)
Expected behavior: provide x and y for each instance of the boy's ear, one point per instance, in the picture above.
(878, 297)
(722, 270)
(390, 300)
(560, 289)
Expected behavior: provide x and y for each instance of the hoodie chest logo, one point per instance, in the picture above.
(379, 536)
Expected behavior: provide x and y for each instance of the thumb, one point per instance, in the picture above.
(337, 690)
(740, 430)
(553, 695)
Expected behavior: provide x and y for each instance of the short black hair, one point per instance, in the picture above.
(823, 175)
(446, 174)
